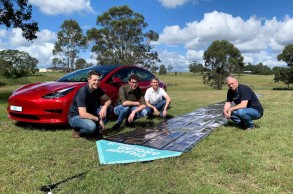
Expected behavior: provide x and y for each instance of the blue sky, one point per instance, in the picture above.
(260, 29)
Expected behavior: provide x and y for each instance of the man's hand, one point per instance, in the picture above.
(227, 114)
(103, 112)
(156, 112)
(131, 117)
(164, 113)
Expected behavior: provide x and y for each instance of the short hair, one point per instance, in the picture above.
(133, 76)
(93, 72)
(155, 78)
(230, 77)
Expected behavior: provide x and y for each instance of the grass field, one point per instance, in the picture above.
(229, 160)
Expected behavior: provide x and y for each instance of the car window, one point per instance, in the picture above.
(77, 76)
(123, 74)
(81, 75)
(144, 75)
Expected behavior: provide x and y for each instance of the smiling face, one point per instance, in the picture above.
(94, 82)
(155, 84)
(232, 83)
(133, 84)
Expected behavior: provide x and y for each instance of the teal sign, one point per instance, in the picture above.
(113, 153)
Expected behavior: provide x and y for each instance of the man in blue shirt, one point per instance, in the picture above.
(247, 106)
(86, 112)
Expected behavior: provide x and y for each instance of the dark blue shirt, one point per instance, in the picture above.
(84, 97)
(245, 93)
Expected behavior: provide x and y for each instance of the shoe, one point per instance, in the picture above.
(75, 134)
(98, 136)
(250, 128)
(116, 127)
(127, 124)
(101, 130)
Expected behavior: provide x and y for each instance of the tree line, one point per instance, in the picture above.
(120, 38)
(222, 59)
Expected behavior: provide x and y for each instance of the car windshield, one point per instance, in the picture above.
(81, 75)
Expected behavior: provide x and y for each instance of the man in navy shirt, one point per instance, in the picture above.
(247, 106)
(86, 112)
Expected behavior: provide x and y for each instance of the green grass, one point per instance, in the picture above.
(229, 160)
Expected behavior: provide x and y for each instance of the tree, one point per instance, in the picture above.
(287, 55)
(18, 63)
(261, 69)
(221, 58)
(17, 14)
(162, 70)
(154, 69)
(120, 39)
(70, 41)
(195, 67)
(169, 68)
(80, 63)
(283, 74)
(5, 67)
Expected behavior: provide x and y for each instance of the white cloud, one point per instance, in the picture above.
(263, 57)
(258, 40)
(55, 7)
(41, 48)
(2, 33)
(175, 3)
(42, 52)
(174, 59)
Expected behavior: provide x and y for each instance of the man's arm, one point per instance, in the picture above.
(156, 112)
(140, 107)
(226, 112)
(243, 104)
(132, 114)
(107, 103)
(228, 109)
(85, 115)
(168, 101)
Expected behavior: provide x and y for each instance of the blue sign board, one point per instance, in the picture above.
(113, 152)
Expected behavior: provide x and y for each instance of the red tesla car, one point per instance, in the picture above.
(48, 102)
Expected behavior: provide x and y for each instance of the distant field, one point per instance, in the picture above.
(229, 160)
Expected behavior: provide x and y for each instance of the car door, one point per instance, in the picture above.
(145, 78)
(112, 85)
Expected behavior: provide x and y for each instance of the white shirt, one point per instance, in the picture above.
(154, 97)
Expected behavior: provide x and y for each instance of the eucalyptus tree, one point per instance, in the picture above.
(120, 38)
(221, 58)
(70, 40)
(17, 14)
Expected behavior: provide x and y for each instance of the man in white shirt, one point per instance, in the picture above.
(157, 100)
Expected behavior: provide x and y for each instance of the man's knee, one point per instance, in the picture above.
(90, 126)
(144, 112)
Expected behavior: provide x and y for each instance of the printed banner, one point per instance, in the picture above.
(113, 153)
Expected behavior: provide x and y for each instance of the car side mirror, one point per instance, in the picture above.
(117, 80)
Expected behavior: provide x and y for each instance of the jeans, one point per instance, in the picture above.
(124, 111)
(244, 116)
(86, 126)
(160, 107)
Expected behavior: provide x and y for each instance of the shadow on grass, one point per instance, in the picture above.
(282, 88)
(33, 126)
(4, 96)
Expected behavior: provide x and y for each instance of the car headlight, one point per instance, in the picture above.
(58, 94)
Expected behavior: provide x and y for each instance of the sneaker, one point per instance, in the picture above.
(250, 128)
(116, 127)
(127, 124)
(75, 134)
